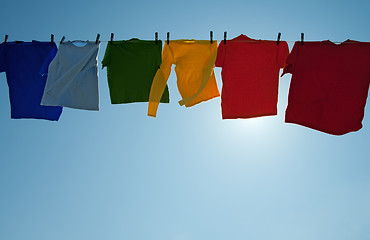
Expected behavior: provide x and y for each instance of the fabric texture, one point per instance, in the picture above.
(329, 85)
(73, 77)
(22, 62)
(250, 76)
(194, 62)
(131, 67)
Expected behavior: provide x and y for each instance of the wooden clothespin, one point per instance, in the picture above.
(302, 38)
(278, 38)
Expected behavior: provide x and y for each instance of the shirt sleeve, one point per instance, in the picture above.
(283, 54)
(290, 61)
(45, 66)
(2, 57)
(160, 81)
(106, 59)
(220, 54)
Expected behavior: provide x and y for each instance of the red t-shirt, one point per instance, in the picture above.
(329, 86)
(250, 76)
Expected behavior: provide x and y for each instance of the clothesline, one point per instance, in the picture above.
(227, 40)
(220, 40)
(105, 41)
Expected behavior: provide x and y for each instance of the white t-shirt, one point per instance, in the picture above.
(73, 77)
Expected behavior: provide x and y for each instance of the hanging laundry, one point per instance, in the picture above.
(194, 60)
(22, 62)
(131, 67)
(250, 76)
(329, 85)
(73, 77)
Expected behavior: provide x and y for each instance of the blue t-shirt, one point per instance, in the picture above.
(24, 64)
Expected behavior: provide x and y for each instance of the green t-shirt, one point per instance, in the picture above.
(131, 67)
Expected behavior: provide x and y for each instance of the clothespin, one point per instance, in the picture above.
(111, 37)
(225, 34)
(97, 38)
(302, 38)
(278, 38)
(6, 38)
(52, 38)
(156, 37)
(211, 36)
(168, 37)
(61, 41)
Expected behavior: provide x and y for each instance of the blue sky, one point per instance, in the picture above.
(118, 174)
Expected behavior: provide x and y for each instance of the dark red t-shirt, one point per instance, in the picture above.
(250, 76)
(329, 85)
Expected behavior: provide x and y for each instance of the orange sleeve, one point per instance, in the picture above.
(160, 81)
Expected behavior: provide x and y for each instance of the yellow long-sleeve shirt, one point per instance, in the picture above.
(194, 60)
